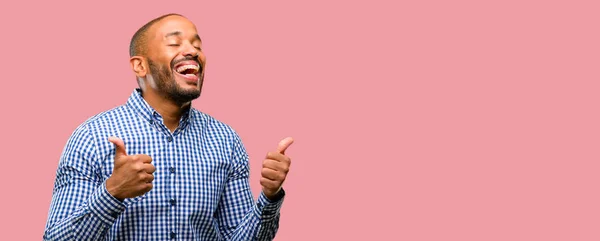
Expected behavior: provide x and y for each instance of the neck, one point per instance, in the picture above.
(168, 109)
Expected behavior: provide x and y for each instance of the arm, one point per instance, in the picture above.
(81, 207)
(239, 217)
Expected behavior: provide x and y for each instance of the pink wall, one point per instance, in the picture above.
(433, 120)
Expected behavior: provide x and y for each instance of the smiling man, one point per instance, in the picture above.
(157, 169)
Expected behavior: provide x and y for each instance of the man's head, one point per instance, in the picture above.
(166, 56)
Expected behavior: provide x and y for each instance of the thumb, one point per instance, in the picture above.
(284, 144)
(119, 145)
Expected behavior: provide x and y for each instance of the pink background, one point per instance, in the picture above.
(432, 120)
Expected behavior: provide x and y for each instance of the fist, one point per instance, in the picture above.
(275, 169)
(132, 175)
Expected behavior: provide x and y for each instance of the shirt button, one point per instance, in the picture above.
(173, 235)
(172, 201)
(170, 139)
(171, 169)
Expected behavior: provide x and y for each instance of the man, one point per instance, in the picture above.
(157, 169)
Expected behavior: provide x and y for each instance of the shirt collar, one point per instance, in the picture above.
(141, 107)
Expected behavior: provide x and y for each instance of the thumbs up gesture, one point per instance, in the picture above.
(275, 169)
(132, 175)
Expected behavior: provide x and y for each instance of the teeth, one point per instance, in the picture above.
(189, 66)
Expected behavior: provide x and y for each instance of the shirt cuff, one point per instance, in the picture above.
(106, 207)
(268, 209)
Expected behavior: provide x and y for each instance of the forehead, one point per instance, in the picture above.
(174, 24)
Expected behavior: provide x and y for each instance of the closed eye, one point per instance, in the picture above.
(174, 45)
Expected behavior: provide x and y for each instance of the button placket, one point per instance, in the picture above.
(172, 193)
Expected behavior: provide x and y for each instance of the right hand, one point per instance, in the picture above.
(132, 175)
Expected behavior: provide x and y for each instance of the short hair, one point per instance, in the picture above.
(137, 46)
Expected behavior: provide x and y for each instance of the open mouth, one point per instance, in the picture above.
(188, 69)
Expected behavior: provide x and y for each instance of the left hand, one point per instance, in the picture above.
(275, 169)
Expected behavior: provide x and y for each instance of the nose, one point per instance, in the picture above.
(190, 51)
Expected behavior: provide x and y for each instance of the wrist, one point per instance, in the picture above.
(112, 190)
(274, 196)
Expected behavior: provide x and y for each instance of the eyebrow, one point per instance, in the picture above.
(178, 33)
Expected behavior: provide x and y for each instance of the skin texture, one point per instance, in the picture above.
(172, 93)
(275, 169)
(132, 174)
(168, 42)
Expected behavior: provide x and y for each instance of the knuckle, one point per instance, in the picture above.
(279, 176)
(147, 158)
(120, 161)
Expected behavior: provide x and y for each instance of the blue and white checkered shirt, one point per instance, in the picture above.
(201, 189)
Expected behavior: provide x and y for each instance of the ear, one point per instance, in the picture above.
(139, 66)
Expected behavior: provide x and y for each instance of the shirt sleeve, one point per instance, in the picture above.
(81, 207)
(238, 216)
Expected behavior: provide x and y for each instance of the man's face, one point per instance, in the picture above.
(175, 59)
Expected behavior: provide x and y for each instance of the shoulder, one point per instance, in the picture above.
(81, 148)
(213, 124)
(216, 128)
(218, 133)
(104, 121)
(106, 118)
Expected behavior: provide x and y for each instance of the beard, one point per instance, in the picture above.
(163, 80)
